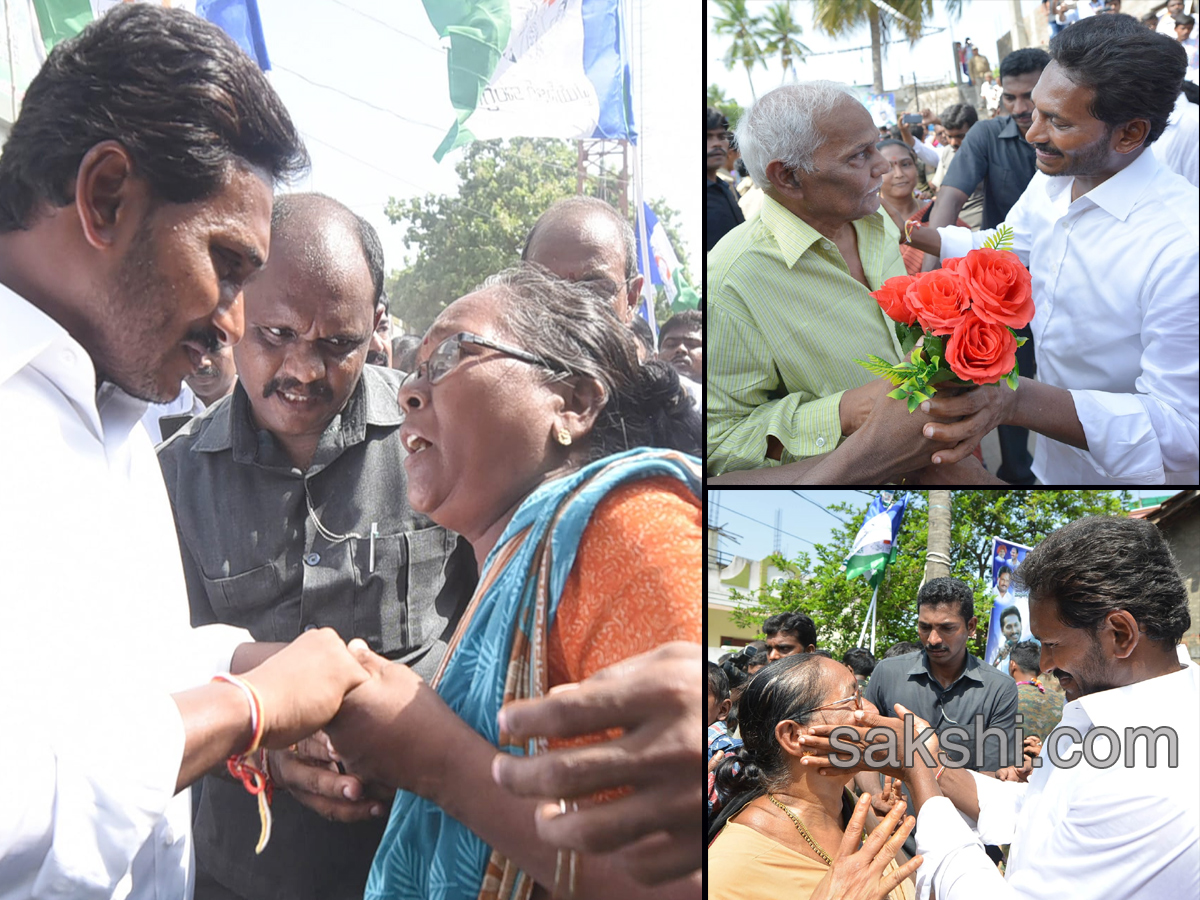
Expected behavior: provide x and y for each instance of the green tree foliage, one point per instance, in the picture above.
(737, 23)
(838, 606)
(731, 109)
(781, 33)
(461, 240)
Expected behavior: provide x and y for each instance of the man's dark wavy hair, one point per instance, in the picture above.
(1019, 62)
(1133, 72)
(1097, 565)
(173, 89)
(948, 591)
(796, 623)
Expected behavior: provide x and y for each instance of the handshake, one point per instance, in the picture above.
(336, 717)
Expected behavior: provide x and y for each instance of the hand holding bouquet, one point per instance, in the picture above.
(965, 314)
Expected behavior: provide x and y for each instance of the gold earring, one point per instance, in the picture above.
(564, 437)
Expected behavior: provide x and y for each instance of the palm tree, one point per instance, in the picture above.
(836, 17)
(737, 23)
(780, 31)
(937, 556)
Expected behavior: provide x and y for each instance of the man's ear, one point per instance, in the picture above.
(784, 180)
(634, 294)
(724, 708)
(108, 197)
(1131, 135)
(1012, 669)
(582, 400)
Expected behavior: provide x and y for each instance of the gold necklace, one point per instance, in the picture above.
(803, 831)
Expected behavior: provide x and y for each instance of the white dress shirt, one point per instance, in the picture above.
(1116, 290)
(1088, 833)
(95, 636)
(1178, 147)
(926, 154)
(187, 403)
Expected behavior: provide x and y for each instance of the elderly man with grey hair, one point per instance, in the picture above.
(789, 306)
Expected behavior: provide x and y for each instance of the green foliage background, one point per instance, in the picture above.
(504, 186)
(838, 606)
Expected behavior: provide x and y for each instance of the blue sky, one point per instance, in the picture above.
(803, 521)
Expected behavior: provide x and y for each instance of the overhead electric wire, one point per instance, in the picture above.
(819, 506)
(765, 525)
(390, 27)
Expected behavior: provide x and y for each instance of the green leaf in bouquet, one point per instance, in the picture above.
(883, 369)
(921, 397)
(913, 402)
(910, 338)
(933, 347)
(1000, 240)
(898, 394)
(941, 375)
(1021, 341)
(1011, 378)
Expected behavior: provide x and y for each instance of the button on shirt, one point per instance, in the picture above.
(994, 152)
(278, 551)
(1116, 296)
(786, 320)
(95, 635)
(1088, 833)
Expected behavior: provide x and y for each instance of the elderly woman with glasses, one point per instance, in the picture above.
(784, 829)
(531, 430)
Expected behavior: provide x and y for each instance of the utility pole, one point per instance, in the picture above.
(937, 557)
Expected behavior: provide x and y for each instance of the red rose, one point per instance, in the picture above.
(890, 297)
(940, 299)
(999, 285)
(980, 351)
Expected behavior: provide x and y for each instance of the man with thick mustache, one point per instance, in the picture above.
(1111, 810)
(291, 506)
(1116, 320)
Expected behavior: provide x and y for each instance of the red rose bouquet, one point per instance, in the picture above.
(965, 312)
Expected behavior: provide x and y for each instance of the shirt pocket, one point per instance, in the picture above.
(241, 599)
(393, 600)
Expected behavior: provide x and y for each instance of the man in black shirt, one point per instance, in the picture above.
(721, 210)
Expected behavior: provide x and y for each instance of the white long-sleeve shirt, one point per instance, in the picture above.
(94, 634)
(1178, 147)
(1088, 833)
(1116, 293)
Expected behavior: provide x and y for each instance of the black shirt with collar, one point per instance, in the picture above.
(721, 212)
(994, 152)
(254, 556)
(979, 690)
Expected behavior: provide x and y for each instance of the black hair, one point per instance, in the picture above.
(1009, 611)
(1184, 19)
(890, 142)
(951, 591)
(578, 334)
(796, 623)
(641, 330)
(569, 207)
(1151, 19)
(960, 115)
(1004, 569)
(714, 119)
(1027, 655)
(860, 660)
(740, 165)
(1191, 91)
(174, 90)
(308, 207)
(1135, 573)
(404, 351)
(1133, 73)
(688, 320)
(901, 648)
(718, 682)
(917, 131)
(1020, 62)
(787, 689)
(821, 651)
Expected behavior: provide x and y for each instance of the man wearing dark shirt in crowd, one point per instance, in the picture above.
(721, 210)
(1039, 704)
(788, 634)
(995, 152)
(947, 686)
(291, 506)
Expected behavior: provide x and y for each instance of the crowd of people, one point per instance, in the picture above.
(1003, 744)
(1095, 156)
(390, 616)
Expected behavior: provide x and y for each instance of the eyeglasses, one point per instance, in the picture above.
(856, 697)
(448, 354)
(605, 288)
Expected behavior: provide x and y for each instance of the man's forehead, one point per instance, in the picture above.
(1056, 94)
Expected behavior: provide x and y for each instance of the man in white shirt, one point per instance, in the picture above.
(1179, 147)
(1116, 321)
(135, 199)
(1106, 813)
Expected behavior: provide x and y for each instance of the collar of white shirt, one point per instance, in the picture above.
(1116, 195)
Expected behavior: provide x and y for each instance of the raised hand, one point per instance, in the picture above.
(309, 771)
(858, 874)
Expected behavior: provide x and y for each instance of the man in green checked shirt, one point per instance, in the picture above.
(790, 308)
